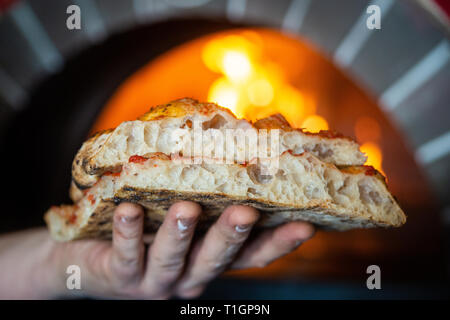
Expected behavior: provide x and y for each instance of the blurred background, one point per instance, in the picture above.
(314, 61)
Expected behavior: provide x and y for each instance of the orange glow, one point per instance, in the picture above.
(236, 65)
(224, 93)
(368, 132)
(251, 72)
(367, 129)
(260, 92)
(374, 155)
(315, 123)
(251, 84)
(230, 54)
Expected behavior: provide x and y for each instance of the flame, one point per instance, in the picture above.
(374, 155)
(315, 123)
(252, 86)
(227, 53)
(260, 92)
(224, 93)
(236, 65)
(368, 132)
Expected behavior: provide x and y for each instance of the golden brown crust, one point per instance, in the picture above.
(75, 192)
(367, 170)
(84, 156)
(94, 136)
(181, 107)
(277, 121)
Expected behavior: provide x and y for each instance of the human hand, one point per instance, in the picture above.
(174, 264)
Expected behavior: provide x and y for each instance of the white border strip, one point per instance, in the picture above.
(418, 75)
(93, 24)
(358, 35)
(236, 9)
(295, 15)
(11, 91)
(433, 150)
(35, 34)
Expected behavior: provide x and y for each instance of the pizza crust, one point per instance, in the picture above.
(304, 188)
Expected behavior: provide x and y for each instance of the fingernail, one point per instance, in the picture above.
(128, 219)
(243, 227)
(184, 224)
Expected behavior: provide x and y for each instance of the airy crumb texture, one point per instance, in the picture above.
(154, 132)
(318, 178)
(302, 188)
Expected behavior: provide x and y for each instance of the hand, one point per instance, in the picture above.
(174, 264)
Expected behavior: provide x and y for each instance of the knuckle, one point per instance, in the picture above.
(131, 262)
(232, 237)
(174, 264)
(126, 277)
(126, 268)
(127, 233)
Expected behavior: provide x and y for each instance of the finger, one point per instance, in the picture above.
(211, 256)
(272, 244)
(127, 258)
(170, 246)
